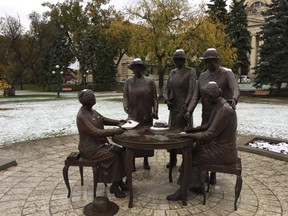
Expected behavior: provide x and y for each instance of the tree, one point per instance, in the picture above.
(77, 20)
(209, 34)
(41, 36)
(164, 26)
(4, 85)
(159, 23)
(119, 36)
(217, 11)
(13, 46)
(99, 57)
(239, 35)
(273, 64)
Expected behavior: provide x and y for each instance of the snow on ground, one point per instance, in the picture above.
(280, 147)
(23, 121)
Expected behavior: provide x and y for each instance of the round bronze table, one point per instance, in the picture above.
(145, 138)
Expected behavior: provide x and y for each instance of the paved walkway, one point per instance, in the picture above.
(36, 186)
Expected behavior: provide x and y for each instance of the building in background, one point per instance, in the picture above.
(255, 21)
(123, 73)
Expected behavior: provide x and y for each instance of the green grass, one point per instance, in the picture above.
(243, 99)
(119, 88)
(263, 100)
(121, 100)
(33, 96)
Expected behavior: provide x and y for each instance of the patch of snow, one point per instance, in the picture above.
(32, 120)
(281, 147)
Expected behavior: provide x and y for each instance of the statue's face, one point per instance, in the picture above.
(211, 64)
(91, 102)
(137, 70)
(179, 62)
(212, 100)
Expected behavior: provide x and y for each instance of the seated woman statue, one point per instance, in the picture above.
(94, 145)
(219, 135)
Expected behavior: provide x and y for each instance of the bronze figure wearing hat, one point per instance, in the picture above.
(179, 89)
(140, 102)
(226, 81)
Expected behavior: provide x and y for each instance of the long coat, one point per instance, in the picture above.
(220, 146)
(140, 97)
(225, 79)
(179, 89)
(217, 144)
(94, 145)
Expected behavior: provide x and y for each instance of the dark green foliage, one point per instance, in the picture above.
(60, 53)
(239, 35)
(217, 11)
(273, 63)
(99, 57)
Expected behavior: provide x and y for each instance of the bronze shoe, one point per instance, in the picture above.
(123, 186)
(212, 179)
(117, 192)
(176, 196)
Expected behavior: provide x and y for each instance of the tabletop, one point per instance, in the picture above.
(146, 138)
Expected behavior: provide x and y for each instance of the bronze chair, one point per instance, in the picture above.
(74, 159)
(235, 169)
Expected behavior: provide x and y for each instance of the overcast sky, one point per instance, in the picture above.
(23, 8)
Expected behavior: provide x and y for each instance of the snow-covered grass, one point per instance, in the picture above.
(281, 147)
(39, 119)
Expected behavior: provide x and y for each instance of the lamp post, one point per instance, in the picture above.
(58, 73)
(85, 78)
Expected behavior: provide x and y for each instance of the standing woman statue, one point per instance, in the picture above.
(179, 90)
(140, 102)
(225, 79)
(94, 145)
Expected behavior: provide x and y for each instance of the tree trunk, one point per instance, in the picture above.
(8, 92)
(161, 83)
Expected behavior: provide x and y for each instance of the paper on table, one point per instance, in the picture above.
(130, 124)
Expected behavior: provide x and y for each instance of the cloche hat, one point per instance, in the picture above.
(179, 53)
(137, 61)
(210, 53)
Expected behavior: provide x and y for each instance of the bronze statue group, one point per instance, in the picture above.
(215, 138)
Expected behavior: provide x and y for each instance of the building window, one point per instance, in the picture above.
(257, 4)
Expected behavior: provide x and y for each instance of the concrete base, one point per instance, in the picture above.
(6, 163)
(243, 141)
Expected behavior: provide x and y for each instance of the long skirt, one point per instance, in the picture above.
(111, 161)
(208, 153)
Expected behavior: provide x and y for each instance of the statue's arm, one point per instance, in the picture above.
(191, 85)
(218, 124)
(167, 93)
(125, 98)
(89, 128)
(233, 86)
(155, 100)
(195, 98)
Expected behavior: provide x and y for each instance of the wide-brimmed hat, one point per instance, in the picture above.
(101, 206)
(137, 61)
(210, 53)
(179, 53)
